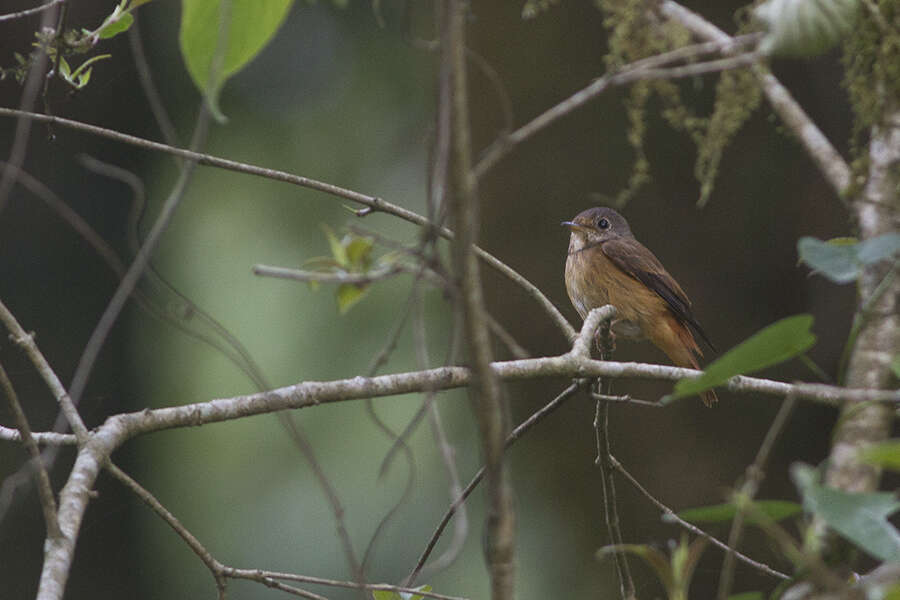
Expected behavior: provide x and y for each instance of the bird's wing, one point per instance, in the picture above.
(636, 260)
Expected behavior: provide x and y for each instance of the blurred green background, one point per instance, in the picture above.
(341, 99)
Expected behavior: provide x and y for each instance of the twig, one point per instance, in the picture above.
(604, 455)
(644, 69)
(30, 11)
(502, 334)
(470, 487)
(26, 342)
(145, 76)
(258, 575)
(45, 491)
(24, 118)
(326, 277)
(8, 434)
(753, 477)
(670, 514)
(374, 203)
(214, 566)
(625, 399)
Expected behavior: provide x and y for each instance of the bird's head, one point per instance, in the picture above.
(595, 226)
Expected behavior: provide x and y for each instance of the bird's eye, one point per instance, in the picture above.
(603, 224)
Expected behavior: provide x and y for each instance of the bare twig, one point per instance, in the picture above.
(8, 434)
(30, 11)
(145, 76)
(641, 70)
(470, 487)
(372, 202)
(45, 491)
(24, 116)
(670, 514)
(753, 477)
(603, 460)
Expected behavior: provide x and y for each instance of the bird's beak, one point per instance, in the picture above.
(572, 225)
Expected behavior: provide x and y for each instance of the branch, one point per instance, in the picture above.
(45, 491)
(640, 70)
(830, 163)
(693, 528)
(30, 11)
(486, 390)
(371, 202)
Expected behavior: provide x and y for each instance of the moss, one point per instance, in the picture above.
(872, 69)
(635, 32)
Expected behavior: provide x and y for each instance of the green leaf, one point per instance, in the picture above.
(359, 250)
(747, 596)
(838, 262)
(721, 513)
(348, 294)
(805, 27)
(878, 248)
(115, 24)
(893, 593)
(861, 518)
(391, 595)
(338, 250)
(884, 454)
(251, 24)
(776, 343)
(842, 259)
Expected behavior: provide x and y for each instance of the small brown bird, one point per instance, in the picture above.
(606, 265)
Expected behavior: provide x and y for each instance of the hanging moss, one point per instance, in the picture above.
(636, 32)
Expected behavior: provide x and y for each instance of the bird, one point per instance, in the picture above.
(607, 265)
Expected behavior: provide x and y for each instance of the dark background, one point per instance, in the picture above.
(337, 98)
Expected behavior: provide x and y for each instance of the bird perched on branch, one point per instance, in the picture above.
(607, 265)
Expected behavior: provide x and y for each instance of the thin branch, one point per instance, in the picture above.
(670, 514)
(486, 390)
(8, 434)
(30, 11)
(214, 566)
(145, 76)
(26, 342)
(24, 117)
(604, 461)
(470, 487)
(753, 477)
(256, 575)
(641, 70)
(45, 491)
(136, 270)
(830, 163)
(371, 202)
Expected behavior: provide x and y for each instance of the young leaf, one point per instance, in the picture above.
(653, 557)
(861, 518)
(338, 250)
(391, 595)
(884, 454)
(115, 24)
(720, 513)
(776, 343)
(251, 24)
(358, 251)
(348, 294)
